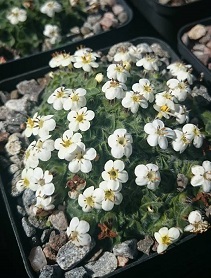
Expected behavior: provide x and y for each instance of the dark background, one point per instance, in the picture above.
(192, 259)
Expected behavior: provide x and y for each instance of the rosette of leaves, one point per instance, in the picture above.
(142, 211)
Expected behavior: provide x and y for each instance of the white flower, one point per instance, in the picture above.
(43, 182)
(30, 158)
(31, 125)
(43, 148)
(76, 99)
(114, 173)
(58, 97)
(145, 88)
(43, 203)
(197, 225)
(26, 180)
(53, 33)
(165, 237)
(181, 71)
(133, 100)
(165, 98)
(50, 8)
(40, 125)
(163, 111)
(91, 198)
(111, 196)
(158, 134)
(135, 53)
(179, 89)
(99, 77)
(147, 175)
(181, 114)
(202, 176)
(86, 60)
(122, 55)
(80, 159)
(121, 143)
(193, 133)
(67, 144)
(181, 142)
(144, 48)
(61, 59)
(114, 89)
(80, 120)
(16, 15)
(117, 72)
(149, 62)
(77, 232)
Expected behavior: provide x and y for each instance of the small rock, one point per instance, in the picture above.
(18, 105)
(21, 210)
(13, 168)
(104, 265)
(28, 229)
(45, 235)
(117, 9)
(78, 272)
(56, 241)
(50, 271)
(126, 249)
(28, 199)
(37, 258)
(197, 32)
(14, 94)
(122, 261)
(31, 88)
(50, 254)
(58, 220)
(69, 255)
(145, 244)
(3, 113)
(38, 222)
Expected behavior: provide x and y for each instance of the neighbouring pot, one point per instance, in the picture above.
(194, 45)
(78, 22)
(137, 199)
(167, 19)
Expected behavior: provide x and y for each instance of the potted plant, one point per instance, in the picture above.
(30, 28)
(112, 165)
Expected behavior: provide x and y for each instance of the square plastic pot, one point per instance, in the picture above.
(167, 20)
(188, 55)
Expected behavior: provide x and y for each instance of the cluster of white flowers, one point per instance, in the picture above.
(52, 32)
(70, 145)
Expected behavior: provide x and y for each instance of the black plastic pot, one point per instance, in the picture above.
(186, 53)
(38, 60)
(167, 20)
(23, 242)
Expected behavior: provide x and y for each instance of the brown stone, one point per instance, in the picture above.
(197, 32)
(56, 241)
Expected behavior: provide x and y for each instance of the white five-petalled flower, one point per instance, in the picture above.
(77, 232)
(202, 176)
(91, 198)
(196, 223)
(158, 134)
(147, 175)
(121, 143)
(16, 15)
(80, 120)
(165, 237)
(50, 8)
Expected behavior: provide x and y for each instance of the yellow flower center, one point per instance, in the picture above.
(60, 94)
(136, 98)
(30, 122)
(26, 182)
(114, 83)
(87, 58)
(90, 202)
(164, 108)
(151, 176)
(80, 118)
(75, 98)
(113, 174)
(185, 140)
(166, 240)
(122, 141)
(109, 195)
(119, 68)
(41, 122)
(74, 235)
(147, 88)
(66, 143)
